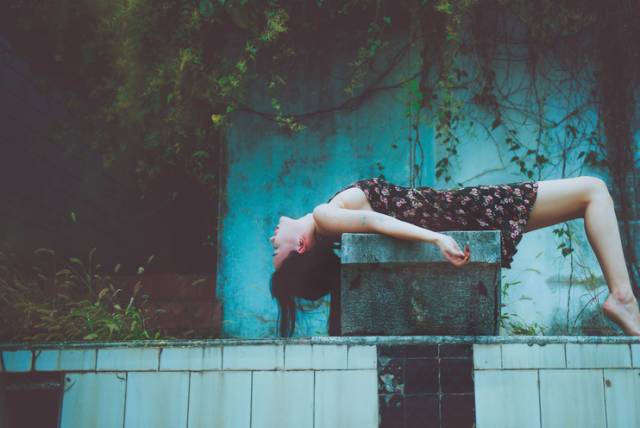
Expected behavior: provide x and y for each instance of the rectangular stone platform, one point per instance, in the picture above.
(398, 287)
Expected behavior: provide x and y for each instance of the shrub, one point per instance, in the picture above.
(67, 301)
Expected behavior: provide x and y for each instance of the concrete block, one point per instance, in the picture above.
(65, 360)
(83, 402)
(524, 356)
(220, 399)
(17, 361)
(622, 397)
(124, 359)
(191, 358)
(253, 357)
(282, 399)
(572, 398)
(507, 399)
(373, 248)
(362, 357)
(346, 399)
(157, 399)
(487, 356)
(598, 355)
(398, 287)
(635, 354)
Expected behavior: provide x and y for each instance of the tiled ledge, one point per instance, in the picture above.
(315, 353)
(383, 381)
(229, 357)
(326, 340)
(559, 384)
(556, 356)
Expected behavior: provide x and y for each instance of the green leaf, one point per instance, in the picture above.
(206, 8)
(200, 154)
(76, 261)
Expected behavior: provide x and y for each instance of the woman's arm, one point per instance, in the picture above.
(342, 220)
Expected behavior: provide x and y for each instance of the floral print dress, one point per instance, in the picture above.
(504, 207)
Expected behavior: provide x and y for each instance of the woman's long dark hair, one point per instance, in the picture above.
(309, 275)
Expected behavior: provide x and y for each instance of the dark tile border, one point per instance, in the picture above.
(426, 385)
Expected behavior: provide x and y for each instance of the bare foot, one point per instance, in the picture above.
(625, 313)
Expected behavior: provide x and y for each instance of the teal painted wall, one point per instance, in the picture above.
(271, 173)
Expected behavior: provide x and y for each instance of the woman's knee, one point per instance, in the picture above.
(595, 187)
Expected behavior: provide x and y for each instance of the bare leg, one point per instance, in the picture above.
(565, 199)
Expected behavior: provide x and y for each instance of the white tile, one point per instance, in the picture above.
(220, 399)
(326, 357)
(523, 356)
(486, 356)
(622, 396)
(506, 398)
(572, 398)
(17, 361)
(297, 357)
(598, 355)
(156, 399)
(362, 357)
(253, 357)
(85, 395)
(346, 398)
(119, 359)
(190, 358)
(282, 399)
(635, 352)
(65, 360)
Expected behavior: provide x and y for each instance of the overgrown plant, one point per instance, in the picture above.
(67, 301)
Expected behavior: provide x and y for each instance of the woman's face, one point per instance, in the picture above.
(290, 235)
(284, 240)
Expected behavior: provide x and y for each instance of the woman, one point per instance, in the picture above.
(306, 266)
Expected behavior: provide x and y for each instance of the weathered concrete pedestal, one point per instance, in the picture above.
(398, 287)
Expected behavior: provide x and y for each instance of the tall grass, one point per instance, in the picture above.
(64, 300)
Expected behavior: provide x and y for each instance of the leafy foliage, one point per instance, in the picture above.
(75, 302)
(164, 77)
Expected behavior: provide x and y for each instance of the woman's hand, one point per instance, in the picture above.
(449, 248)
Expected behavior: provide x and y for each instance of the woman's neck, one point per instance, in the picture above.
(320, 234)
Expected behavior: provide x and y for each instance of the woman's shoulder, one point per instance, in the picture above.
(357, 183)
(354, 195)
